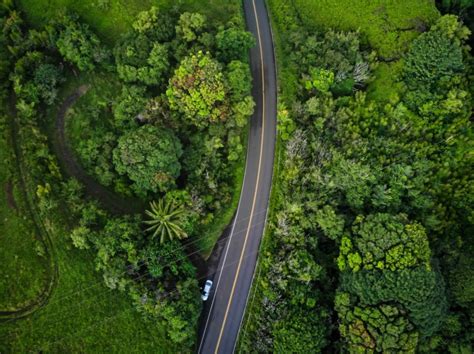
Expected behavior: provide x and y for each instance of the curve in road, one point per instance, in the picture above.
(225, 308)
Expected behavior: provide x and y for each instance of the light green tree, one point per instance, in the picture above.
(197, 90)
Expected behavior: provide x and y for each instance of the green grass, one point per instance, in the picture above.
(111, 18)
(83, 315)
(389, 25)
(23, 273)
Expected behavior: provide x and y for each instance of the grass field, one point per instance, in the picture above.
(23, 272)
(82, 315)
(111, 18)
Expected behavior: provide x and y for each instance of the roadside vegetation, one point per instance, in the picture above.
(159, 115)
(368, 248)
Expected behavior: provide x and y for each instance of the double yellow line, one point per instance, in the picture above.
(256, 185)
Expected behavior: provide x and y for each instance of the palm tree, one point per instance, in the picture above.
(164, 221)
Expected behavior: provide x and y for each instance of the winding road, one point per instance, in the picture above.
(224, 311)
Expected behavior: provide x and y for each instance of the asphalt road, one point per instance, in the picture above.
(225, 308)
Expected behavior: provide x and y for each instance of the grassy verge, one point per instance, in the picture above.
(24, 271)
(83, 315)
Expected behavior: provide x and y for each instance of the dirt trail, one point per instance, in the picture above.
(9, 195)
(40, 230)
(109, 200)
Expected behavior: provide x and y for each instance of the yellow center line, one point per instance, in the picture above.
(256, 186)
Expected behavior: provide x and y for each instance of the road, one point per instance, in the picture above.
(224, 310)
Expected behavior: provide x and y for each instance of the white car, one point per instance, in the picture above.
(206, 290)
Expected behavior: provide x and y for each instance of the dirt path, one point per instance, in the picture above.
(109, 200)
(40, 230)
(9, 195)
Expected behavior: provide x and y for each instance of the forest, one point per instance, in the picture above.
(369, 247)
(123, 137)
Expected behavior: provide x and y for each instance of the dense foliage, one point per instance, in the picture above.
(373, 206)
(149, 157)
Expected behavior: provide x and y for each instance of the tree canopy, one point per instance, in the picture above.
(149, 156)
(197, 90)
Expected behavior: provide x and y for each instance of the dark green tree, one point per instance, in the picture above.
(149, 156)
(190, 26)
(234, 44)
(78, 44)
(47, 78)
(130, 104)
(141, 60)
(384, 241)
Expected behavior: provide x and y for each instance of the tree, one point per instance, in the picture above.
(142, 60)
(374, 329)
(330, 223)
(462, 280)
(78, 45)
(79, 237)
(157, 26)
(299, 332)
(165, 218)
(434, 66)
(118, 246)
(191, 26)
(234, 44)
(149, 156)
(352, 178)
(239, 79)
(129, 105)
(47, 77)
(320, 79)
(384, 241)
(197, 90)
(418, 292)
